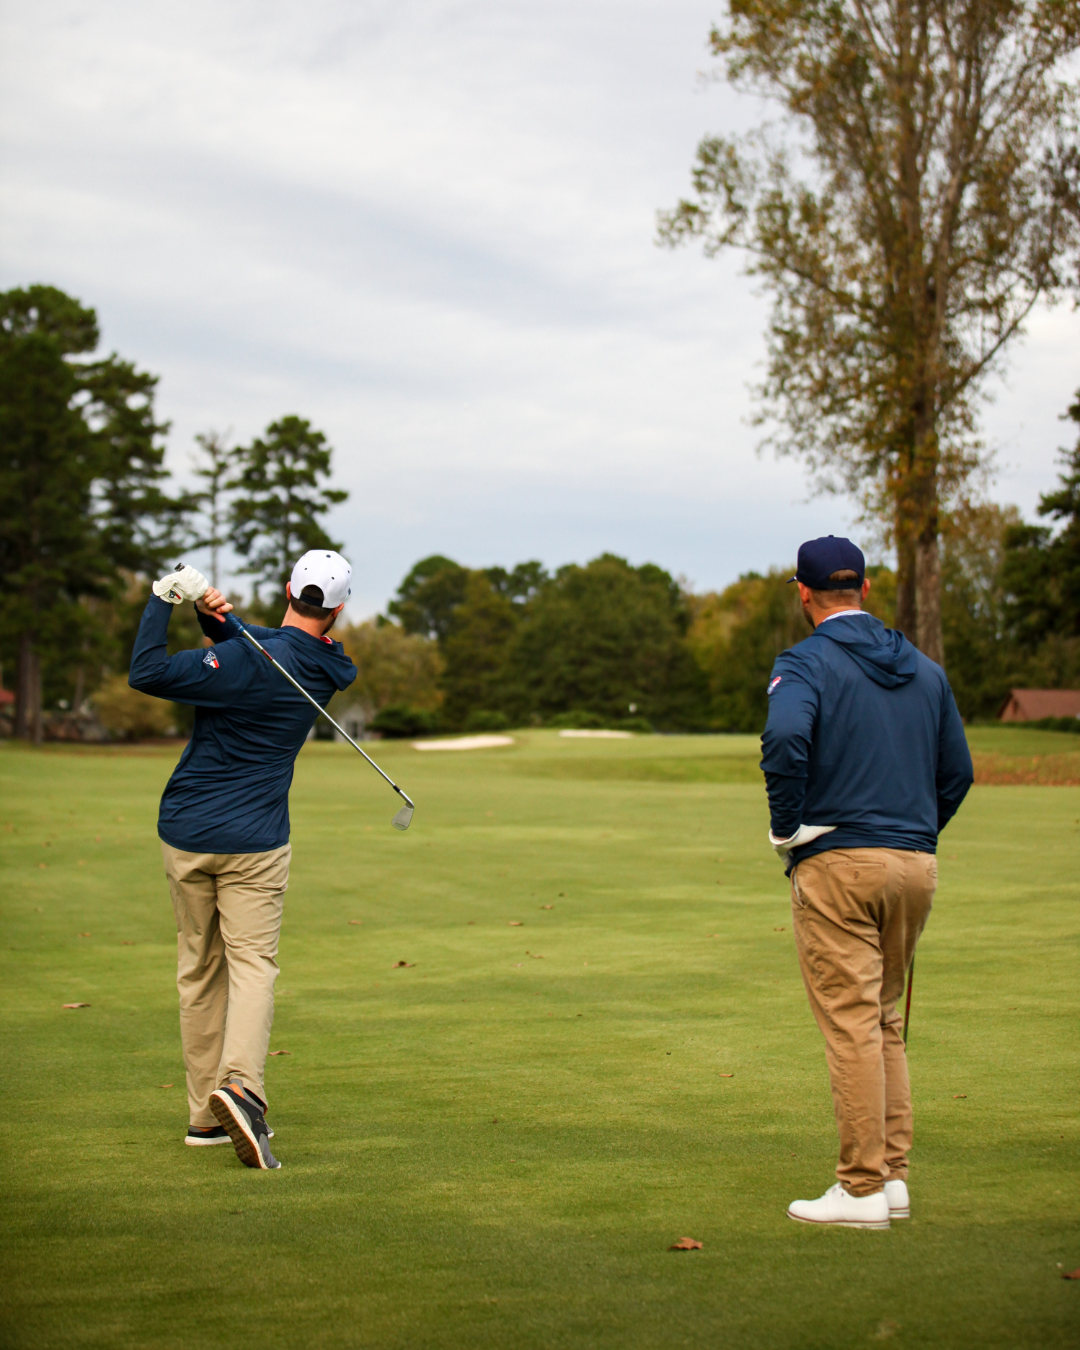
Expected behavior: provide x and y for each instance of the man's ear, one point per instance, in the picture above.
(288, 590)
(866, 588)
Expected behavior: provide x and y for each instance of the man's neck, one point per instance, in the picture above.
(316, 627)
(835, 613)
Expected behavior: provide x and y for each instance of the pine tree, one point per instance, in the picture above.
(275, 516)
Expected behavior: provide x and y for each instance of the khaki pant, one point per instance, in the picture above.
(228, 918)
(857, 915)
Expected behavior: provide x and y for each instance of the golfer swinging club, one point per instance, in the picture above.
(224, 826)
(865, 762)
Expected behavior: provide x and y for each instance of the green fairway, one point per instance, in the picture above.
(495, 1145)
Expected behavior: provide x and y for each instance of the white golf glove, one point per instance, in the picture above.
(803, 835)
(187, 584)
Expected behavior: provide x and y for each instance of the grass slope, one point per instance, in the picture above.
(495, 1146)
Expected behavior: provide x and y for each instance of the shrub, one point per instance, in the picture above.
(128, 714)
(577, 719)
(399, 721)
(482, 719)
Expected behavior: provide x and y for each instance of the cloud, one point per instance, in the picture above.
(429, 227)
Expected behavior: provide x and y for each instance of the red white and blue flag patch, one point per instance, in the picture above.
(210, 659)
(773, 683)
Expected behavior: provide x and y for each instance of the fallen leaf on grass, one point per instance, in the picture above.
(727, 1075)
(713, 935)
(126, 943)
(43, 866)
(74, 1005)
(547, 906)
(515, 923)
(82, 862)
(398, 964)
(535, 956)
(779, 930)
(356, 922)
(281, 1052)
(1071, 1274)
(518, 965)
(84, 934)
(164, 1085)
(685, 1245)
(959, 1096)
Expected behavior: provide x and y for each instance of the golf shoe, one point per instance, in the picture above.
(846, 1211)
(897, 1195)
(240, 1114)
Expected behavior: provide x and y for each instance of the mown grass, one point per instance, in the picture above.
(496, 1146)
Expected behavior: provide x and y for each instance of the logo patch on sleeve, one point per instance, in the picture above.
(773, 683)
(210, 659)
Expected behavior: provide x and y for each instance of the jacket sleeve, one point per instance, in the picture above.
(220, 630)
(188, 677)
(954, 769)
(786, 743)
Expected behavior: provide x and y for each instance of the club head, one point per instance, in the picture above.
(403, 819)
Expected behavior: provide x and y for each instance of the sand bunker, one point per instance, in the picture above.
(465, 743)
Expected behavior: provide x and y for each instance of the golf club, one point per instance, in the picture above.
(403, 819)
(907, 1005)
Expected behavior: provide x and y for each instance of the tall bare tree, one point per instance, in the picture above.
(213, 467)
(920, 200)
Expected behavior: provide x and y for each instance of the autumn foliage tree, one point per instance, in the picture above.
(922, 199)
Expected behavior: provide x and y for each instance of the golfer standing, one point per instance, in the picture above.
(865, 761)
(224, 826)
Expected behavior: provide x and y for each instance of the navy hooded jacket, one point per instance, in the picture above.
(230, 791)
(863, 733)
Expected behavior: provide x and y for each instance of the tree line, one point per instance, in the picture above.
(608, 644)
(88, 516)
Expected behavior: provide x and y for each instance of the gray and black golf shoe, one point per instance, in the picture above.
(240, 1114)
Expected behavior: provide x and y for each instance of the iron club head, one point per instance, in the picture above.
(403, 819)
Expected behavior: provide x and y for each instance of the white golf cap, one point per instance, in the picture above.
(327, 571)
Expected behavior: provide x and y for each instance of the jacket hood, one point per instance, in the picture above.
(314, 654)
(882, 653)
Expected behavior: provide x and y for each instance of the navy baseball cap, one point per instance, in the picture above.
(819, 558)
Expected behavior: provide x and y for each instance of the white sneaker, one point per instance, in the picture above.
(849, 1211)
(897, 1196)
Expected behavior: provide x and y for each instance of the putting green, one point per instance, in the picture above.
(599, 1045)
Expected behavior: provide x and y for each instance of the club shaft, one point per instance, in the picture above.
(907, 1004)
(319, 708)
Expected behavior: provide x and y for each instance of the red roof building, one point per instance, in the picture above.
(1032, 705)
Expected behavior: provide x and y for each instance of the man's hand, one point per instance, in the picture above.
(805, 834)
(214, 604)
(184, 584)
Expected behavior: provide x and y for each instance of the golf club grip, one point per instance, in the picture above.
(315, 704)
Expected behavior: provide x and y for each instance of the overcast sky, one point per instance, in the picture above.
(429, 226)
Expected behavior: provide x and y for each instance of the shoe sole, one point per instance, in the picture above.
(206, 1143)
(236, 1127)
(840, 1223)
(900, 1213)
